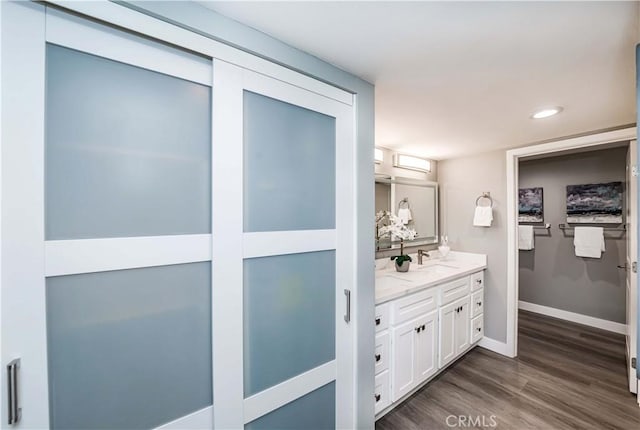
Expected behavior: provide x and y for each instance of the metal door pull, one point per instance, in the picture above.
(14, 411)
(347, 315)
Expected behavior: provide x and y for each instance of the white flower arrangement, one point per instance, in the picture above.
(395, 228)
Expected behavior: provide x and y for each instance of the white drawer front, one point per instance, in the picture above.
(382, 317)
(477, 328)
(477, 281)
(382, 352)
(381, 390)
(477, 302)
(414, 305)
(454, 290)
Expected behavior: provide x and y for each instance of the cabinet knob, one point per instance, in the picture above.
(478, 281)
(479, 329)
(479, 303)
(378, 357)
(377, 398)
(418, 329)
(423, 327)
(377, 321)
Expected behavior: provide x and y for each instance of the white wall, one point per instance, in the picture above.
(461, 181)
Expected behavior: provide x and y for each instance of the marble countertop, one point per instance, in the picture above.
(391, 284)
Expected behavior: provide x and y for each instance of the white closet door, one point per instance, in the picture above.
(282, 171)
(106, 192)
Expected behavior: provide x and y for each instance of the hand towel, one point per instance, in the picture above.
(483, 216)
(589, 241)
(405, 215)
(525, 237)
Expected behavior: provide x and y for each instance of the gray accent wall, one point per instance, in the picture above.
(551, 275)
(208, 23)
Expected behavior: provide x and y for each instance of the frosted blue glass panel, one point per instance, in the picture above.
(289, 317)
(315, 411)
(129, 349)
(289, 166)
(128, 150)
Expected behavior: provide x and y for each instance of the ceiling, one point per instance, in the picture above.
(455, 78)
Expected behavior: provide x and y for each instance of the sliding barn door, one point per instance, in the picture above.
(177, 235)
(283, 247)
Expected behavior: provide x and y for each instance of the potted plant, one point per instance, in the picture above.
(396, 228)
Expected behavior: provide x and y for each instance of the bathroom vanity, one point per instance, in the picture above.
(425, 319)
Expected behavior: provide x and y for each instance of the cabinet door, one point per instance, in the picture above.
(426, 347)
(447, 341)
(462, 327)
(403, 377)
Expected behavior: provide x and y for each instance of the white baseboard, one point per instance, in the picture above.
(495, 346)
(574, 317)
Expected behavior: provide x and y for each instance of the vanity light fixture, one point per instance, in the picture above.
(546, 112)
(379, 156)
(410, 162)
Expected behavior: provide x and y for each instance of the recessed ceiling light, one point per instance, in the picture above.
(546, 112)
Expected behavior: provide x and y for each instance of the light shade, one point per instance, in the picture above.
(379, 155)
(546, 112)
(410, 162)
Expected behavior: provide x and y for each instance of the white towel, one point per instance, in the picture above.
(405, 215)
(483, 216)
(589, 241)
(525, 237)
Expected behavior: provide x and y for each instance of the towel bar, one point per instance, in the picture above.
(569, 227)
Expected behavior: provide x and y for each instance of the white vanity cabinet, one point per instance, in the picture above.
(422, 332)
(414, 352)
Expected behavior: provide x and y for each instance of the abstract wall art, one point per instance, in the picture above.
(595, 203)
(530, 205)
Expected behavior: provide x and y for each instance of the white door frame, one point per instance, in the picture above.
(513, 156)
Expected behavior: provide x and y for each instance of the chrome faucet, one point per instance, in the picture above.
(422, 253)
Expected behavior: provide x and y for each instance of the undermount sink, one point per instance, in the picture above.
(438, 268)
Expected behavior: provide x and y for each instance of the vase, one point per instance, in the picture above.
(404, 267)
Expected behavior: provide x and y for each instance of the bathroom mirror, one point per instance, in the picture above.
(415, 201)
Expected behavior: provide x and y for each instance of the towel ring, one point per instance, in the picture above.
(485, 196)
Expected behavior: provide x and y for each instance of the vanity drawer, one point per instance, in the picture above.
(477, 281)
(454, 290)
(477, 302)
(414, 305)
(382, 317)
(477, 328)
(382, 352)
(381, 391)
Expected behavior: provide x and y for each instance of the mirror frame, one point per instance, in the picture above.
(431, 240)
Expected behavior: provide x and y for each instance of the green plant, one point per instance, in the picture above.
(400, 259)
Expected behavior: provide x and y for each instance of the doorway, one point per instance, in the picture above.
(578, 144)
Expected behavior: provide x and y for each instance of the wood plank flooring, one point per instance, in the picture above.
(566, 376)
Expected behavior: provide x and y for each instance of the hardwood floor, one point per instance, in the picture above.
(566, 376)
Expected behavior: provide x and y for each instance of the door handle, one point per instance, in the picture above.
(14, 411)
(347, 315)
